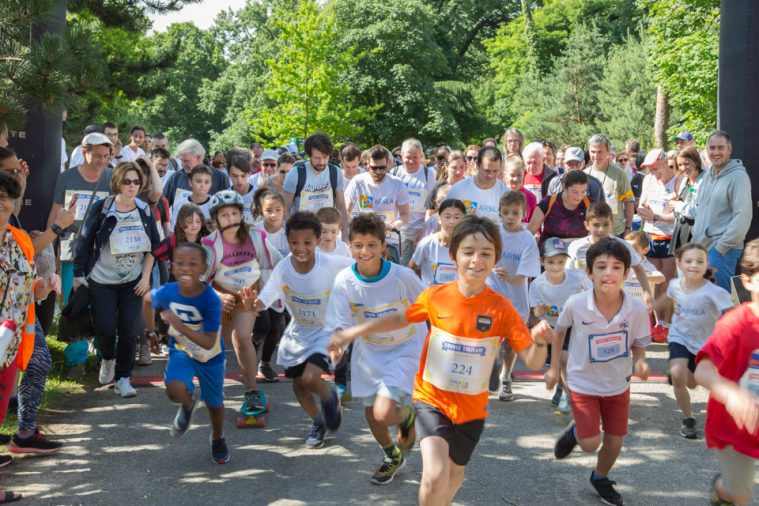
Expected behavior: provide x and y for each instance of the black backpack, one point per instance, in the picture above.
(302, 176)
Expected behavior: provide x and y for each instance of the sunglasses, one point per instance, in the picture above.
(441, 158)
(622, 160)
(471, 158)
(269, 164)
(128, 182)
(378, 168)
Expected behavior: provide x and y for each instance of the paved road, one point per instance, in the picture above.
(119, 452)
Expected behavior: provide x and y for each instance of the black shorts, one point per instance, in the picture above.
(318, 359)
(461, 439)
(659, 248)
(677, 350)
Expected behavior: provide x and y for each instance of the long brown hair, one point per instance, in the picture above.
(185, 212)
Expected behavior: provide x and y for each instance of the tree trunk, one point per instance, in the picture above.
(661, 121)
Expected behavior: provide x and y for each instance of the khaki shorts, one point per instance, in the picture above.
(737, 471)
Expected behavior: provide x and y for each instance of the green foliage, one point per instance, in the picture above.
(683, 53)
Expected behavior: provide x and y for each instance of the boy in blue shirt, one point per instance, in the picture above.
(193, 311)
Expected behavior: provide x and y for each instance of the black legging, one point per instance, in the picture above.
(269, 327)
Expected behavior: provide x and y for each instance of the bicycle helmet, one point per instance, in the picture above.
(225, 198)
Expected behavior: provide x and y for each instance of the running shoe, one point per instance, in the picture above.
(605, 488)
(219, 451)
(688, 430)
(659, 333)
(506, 394)
(124, 388)
(183, 420)
(36, 443)
(345, 394)
(316, 435)
(331, 409)
(269, 375)
(563, 407)
(566, 442)
(107, 371)
(5, 460)
(407, 432)
(143, 357)
(387, 470)
(556, 395)
(715, 499)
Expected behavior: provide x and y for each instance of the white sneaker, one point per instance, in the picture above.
(124, 388)
(107, 371)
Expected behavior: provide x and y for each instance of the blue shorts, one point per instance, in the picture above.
(181, 367)
(677, 350)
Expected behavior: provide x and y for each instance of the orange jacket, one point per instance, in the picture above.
(26, 346)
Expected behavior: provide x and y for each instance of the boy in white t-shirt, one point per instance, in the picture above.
(330, 242)
(548, 293)
(383, 365)
(238, 170)
(519, 262)
(303, 281)
(610, 333)
(200, 182)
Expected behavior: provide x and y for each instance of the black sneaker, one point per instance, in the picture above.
(36, 443)
(316, 434)
(332, 411)
(265, 370)
(605, 489)
(5, 460)
(556, 395)
(184, 418)
(219, 451)
(566, 442)
(688, 430)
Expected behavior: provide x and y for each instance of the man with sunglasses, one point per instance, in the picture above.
(376, 191)
(268, 165)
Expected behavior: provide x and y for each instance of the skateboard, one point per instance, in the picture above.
(247, 418)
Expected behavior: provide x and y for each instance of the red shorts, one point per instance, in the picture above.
(612, 412)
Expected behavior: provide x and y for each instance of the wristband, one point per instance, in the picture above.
(57, 230)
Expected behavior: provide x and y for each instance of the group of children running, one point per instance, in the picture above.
(426, 339)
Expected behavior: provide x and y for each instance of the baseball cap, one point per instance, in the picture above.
(653, 157)
(555, 246)
(96, 139)
(685, 136)
(574, 155)
(270, 154)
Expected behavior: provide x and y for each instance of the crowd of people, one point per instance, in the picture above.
(416, 277)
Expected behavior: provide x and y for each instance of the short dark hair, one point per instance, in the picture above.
(367, 224)
(574, 177)
(137, 127)
(91, 129)
(350, 152)
(159, 137)
(513, 198)
(489, 153)
(608, 246)
(328, 215)
(750, 259)
(598, 209)
(378, 152)
(193, 246)
(303, 220)
(723, 134)
(285, 158)
(448, 203)
(256, 145)
(471, 225)
(200, 169)
(110, 124)
(10, 185)
(160, 153)
(240, 159)
(319, 141)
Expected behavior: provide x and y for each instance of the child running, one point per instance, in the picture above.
(193, 311)
(432, 260)
(330, 241)
(190, 227)
(519, 261)
(271, 208)
(382, 363)
(468, 321)
(239, 257)
(547, 295)
(303, 281)
(610, 332)
(698, 304)
(728, 366)
(200, 182)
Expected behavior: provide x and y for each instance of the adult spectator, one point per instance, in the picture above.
(623, 160)
(76, 157)
(419, 181)
(350, 157)
(538, 174)
(285, 162)
(162, 161)
(684, 140)
(658, 213)
(470, 153)
(111, 130)
(268, 164)
(112, 259)
(455, 171)
(439, 160)
(614, 181)
(256, 150)
(191, 153)
(562, 215)
(377, 191)
(513, 142)
(688, 164)
(725, 208)
(160, 141)
(560, 155)
(549, 150)
(315, 183)
(133, 150)
(84, 185)
(574, 159)
(482, 193)
(632, 147)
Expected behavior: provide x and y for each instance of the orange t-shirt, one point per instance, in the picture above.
(465, 334)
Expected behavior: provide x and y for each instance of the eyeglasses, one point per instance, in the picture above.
(378, 168)
(128, 182)
(269, 164)
(471, 158)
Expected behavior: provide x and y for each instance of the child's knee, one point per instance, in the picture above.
(177, 391)
(589, 444)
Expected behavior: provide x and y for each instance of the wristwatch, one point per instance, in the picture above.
(57, 230)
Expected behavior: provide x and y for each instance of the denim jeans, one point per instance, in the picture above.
(725, 265)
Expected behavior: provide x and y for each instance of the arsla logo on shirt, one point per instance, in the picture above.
(366, 202)
(471, 206)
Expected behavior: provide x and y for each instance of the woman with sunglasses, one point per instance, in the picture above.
(112, 259)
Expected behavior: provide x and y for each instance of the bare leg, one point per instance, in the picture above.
(608, 454)
(436, 472)
(241, 328)
(217, 421)
(681, 378)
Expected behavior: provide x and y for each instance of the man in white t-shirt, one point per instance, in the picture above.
(378, 192)
(316, 183)
(482, 192)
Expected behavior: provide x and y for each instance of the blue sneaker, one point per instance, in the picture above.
(316, 434)
(332, 411)
(345, 394)
(219, 451)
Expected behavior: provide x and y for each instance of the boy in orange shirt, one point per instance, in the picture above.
(468, 321)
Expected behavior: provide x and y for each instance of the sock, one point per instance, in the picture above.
(318, 418)
(251, 391)
(595, 476)
(392, 451)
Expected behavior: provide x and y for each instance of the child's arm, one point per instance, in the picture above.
(227, 298)
(415, 268)
(343, 337)
(642, 370)
(502, 273)
(554, 372)
(662, 303)
(741, 404)
(534, 356)
(148, 315)
(640, 273)
(205, 340)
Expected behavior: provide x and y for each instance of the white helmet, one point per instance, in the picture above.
(225, 198)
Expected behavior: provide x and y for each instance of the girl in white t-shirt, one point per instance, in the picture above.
(270, 207)
(432, 261)
(698, 304)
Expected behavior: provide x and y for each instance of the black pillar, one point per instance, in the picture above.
(39, 143)
(738, 92)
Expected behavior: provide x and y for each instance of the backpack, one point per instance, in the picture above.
(552, 201)
(303, 175)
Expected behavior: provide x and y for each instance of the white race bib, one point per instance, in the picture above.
(308, 310)
(238, 277)
(129, 237)
(613, 200)
(364, 313)
(179, 196)
(608, 347)
(389, 218)
(192, 318)
(417, 198)
(444, 273)
(750, 379)
(82, 202)
(459, 364)
(313, 201)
